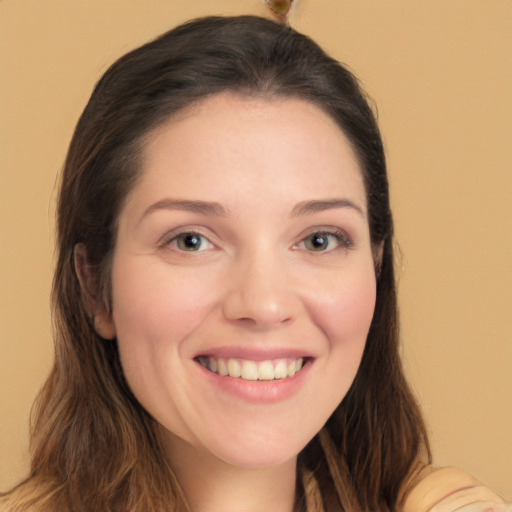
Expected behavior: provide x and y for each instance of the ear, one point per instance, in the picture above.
(94, 300)
(378, 251)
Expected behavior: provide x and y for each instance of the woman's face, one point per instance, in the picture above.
(243, 278)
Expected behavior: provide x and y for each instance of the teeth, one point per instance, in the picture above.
(266, 370)
(234, 368)
(291, 369)
(222, 367)
(253, 370)
(280, 369)
(249, 370)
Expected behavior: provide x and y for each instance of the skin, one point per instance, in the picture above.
(256, 282)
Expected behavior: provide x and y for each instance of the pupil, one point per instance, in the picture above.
(319, 241)
(191, 241)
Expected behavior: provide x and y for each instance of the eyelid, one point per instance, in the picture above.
(169, 237)
(343, 238)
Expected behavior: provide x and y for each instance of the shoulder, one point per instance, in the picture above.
(451, 489)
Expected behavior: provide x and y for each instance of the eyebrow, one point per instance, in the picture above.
(187, 205)
(315, 206)
(216, 209)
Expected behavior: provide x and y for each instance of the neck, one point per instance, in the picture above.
(212, 485)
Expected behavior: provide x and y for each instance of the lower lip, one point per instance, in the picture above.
(257, 391)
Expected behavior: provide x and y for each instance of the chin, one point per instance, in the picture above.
(253, 459)
(259, 454)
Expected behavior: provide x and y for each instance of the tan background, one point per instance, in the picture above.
(440, 72)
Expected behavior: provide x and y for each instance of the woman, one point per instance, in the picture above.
(224, 293)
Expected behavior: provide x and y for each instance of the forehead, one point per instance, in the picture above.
(229, 144)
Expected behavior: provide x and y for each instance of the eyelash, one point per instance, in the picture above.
(174, 238)
(341, 238)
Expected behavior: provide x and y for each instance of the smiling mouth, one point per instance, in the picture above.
(245, 369)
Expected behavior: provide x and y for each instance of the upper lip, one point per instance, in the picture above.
(252, 353)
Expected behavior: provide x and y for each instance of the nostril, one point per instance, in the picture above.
(263, 321)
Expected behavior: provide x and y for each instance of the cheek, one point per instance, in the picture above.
(150, 298)
(344, 310)
(154, 310)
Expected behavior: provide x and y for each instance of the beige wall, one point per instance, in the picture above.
(440, 72)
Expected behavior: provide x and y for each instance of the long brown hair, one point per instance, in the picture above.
(93, 446)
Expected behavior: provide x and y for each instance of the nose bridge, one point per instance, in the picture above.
(260, 292)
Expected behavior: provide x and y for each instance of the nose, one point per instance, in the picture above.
(260, 293)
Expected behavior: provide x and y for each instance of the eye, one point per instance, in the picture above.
(324, 241)
(190, 242)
